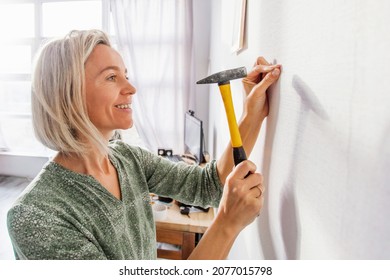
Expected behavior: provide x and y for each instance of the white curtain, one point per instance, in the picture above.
(155, 39)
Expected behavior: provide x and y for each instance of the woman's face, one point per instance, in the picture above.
(108, 92)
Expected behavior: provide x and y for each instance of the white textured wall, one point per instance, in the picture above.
(325, 149)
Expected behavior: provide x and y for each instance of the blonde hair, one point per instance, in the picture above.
(59, 111)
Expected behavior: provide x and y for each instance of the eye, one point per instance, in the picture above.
(127, 77)
(111, 78)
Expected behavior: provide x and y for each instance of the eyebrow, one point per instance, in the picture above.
(116, 68)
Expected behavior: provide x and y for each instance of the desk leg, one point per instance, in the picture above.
(186, 240)
(188, 245)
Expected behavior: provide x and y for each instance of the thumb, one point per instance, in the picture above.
(242, 169)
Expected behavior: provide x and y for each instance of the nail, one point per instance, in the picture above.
(276, 72)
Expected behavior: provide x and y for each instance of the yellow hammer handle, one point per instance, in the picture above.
(235, 136)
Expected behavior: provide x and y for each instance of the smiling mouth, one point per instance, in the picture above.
(123, 106)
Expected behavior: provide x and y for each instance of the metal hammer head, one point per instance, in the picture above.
(224, 77)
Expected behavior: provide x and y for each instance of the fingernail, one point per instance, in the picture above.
(276, 72)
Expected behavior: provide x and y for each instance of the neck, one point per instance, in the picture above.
(90, 163)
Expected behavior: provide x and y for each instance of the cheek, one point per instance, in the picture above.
(98, 109)
(92, 112)
(98, 105)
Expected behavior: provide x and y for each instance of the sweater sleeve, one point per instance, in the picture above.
(38, 234)
(190, 184)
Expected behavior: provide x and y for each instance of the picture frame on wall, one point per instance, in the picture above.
(238, 25)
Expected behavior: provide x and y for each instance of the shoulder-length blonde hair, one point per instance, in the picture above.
(59, 111)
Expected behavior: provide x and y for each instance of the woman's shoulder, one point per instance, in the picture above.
(137, 157)
(35, 194)
(120, 148)
(52, 182)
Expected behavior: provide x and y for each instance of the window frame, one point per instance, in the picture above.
(35, 43)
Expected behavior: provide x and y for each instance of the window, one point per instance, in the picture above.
(20, 39)
(84, 15)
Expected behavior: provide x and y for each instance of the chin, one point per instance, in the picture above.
(126, 126)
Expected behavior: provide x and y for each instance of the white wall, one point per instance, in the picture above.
(325, 149)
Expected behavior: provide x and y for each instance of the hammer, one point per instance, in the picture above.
(223, 79)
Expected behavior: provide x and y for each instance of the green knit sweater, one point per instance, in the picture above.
(66, 215)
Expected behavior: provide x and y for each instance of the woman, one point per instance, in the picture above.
(92, 200)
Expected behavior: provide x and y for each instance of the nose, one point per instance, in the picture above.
(128, 88)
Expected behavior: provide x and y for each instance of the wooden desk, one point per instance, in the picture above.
(181, 230)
